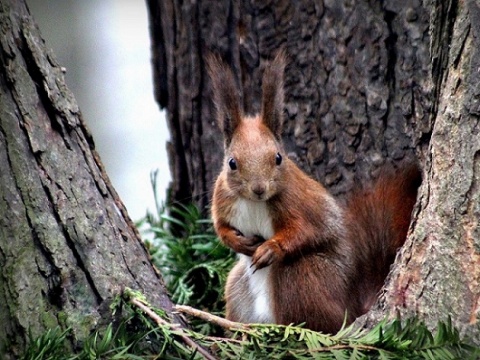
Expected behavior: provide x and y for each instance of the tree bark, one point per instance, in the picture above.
(357, 82)
(366, 83)
(438, 272)
(67, 245)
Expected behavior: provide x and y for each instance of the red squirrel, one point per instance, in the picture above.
(303, 255)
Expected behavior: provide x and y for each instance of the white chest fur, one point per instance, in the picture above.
(253, 218)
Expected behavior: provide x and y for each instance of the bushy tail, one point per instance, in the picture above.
(379, 218)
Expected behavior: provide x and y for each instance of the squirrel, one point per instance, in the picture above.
(303, 255)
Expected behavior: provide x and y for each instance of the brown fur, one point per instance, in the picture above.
(324, 260)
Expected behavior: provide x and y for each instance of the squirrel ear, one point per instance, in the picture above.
(226, 97)
(272, 99)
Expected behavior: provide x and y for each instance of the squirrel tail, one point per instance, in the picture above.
(379, 218)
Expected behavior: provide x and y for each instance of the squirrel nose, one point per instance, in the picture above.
(258, 189)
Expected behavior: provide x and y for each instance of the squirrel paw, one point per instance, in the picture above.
(266, 254)
(247, 245)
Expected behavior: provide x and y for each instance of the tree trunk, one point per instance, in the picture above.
(67, 245)
(438, 271)
(366, 83)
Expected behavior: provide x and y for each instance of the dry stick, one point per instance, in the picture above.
(224, 323)
(138, 303)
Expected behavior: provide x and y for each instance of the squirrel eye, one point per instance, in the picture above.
(232, 163)
(278, 159)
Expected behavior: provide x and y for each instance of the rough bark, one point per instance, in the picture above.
(438, 272)
(357, 82)
(367, 82)
(67, 245)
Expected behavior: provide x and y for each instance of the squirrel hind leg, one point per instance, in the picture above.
(237, 295)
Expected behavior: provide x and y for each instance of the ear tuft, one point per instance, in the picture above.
(226, 97)
(273, 96)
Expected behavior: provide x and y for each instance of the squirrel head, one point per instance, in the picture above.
(254, 156)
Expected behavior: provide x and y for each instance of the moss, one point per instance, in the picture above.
(62, 318)
(49, 320)
(81, 325)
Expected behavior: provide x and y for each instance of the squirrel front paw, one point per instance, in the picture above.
(266, 254)
(246, 245)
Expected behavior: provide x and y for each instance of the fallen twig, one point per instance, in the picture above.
(217, 320)
(161, 322)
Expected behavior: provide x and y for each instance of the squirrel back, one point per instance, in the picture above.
(303, 255)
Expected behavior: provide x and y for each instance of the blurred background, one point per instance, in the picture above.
(105, 47)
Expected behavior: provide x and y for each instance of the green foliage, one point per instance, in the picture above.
(388, 340)
(140, 337)
(49, 346)
(188, 254)
(123, 343)
(107, 344)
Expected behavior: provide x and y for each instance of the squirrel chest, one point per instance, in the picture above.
(253, 218)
